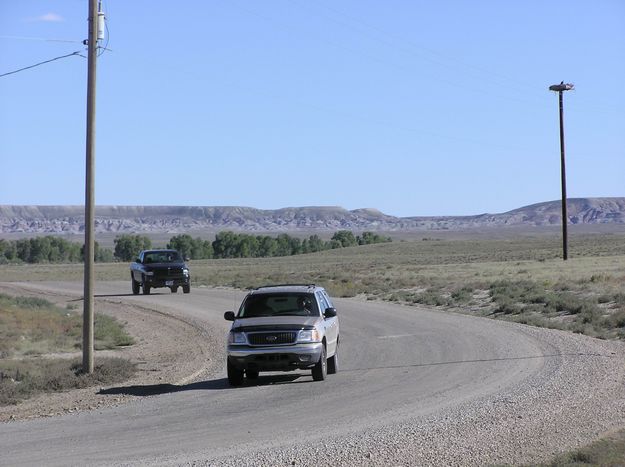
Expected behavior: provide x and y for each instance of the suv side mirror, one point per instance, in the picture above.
(329, 313)
(186, 258)
(229, 315)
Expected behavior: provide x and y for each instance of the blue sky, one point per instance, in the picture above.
(410, 107)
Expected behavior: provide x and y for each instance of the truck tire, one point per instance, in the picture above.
(135, 286)
(146, 287)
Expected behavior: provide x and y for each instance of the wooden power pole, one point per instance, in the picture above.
(88, 302)
(560, 88)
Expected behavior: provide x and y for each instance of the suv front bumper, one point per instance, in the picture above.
(282, 358)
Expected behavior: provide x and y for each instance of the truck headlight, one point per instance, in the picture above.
(309, 335)
(236, 338)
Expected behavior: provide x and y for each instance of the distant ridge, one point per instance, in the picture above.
(179, 219)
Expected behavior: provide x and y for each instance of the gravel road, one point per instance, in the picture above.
(415, 387)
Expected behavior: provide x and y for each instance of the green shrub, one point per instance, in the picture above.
(462, 295)
(108, 333)
(619, 298)
(617, 320)
(430, 297)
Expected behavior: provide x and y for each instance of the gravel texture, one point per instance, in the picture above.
(578, 397)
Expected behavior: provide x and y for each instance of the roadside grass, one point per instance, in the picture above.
(23, 379)
(609, 451)
(32, 328)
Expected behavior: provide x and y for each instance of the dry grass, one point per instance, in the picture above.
(22, 379)
(609, 451)
(583, 294)
(31, 328)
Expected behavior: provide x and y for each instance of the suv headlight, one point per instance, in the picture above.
(185, 272)
(309, 335)
(236, 338)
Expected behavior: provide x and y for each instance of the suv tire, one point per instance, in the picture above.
(235, 376)
(320, 370)
(333, 361)
(186, 288)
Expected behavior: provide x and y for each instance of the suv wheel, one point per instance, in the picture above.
(320, 370)
(186, 288)
(174, 289)
(235, 376)
(333, 361)
(135, 285)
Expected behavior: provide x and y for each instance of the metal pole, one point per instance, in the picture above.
(88, 313)
(563, 176)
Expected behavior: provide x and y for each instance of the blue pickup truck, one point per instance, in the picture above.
(159, 268)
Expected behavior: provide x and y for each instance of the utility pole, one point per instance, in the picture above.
(560, 88)
(88, 301)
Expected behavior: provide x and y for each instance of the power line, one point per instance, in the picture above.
(41, 63)
(39, 39)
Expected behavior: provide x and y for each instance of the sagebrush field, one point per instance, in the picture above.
(515, 277)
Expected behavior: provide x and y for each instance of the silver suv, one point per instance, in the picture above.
(283, 328)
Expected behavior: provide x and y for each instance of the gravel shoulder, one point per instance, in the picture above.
(577, 398)
(168, 350)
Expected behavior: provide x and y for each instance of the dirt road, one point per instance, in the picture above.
(415, 387)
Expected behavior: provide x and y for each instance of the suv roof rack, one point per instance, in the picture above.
(285, 285)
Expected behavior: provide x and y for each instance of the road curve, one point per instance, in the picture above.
(414, 387)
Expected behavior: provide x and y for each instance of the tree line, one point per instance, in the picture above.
(230, 244)
(48, 249)
(227, 244)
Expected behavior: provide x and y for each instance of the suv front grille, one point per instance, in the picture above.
(272, 338)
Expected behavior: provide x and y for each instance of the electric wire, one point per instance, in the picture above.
(77, 53)
(409, 46)
(523, 98)
(44, 39)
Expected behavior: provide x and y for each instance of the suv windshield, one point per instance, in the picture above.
(279, 304)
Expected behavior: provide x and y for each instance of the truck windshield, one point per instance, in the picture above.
(279, 304)
(161, 257)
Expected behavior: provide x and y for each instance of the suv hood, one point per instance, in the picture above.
(281, 321)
